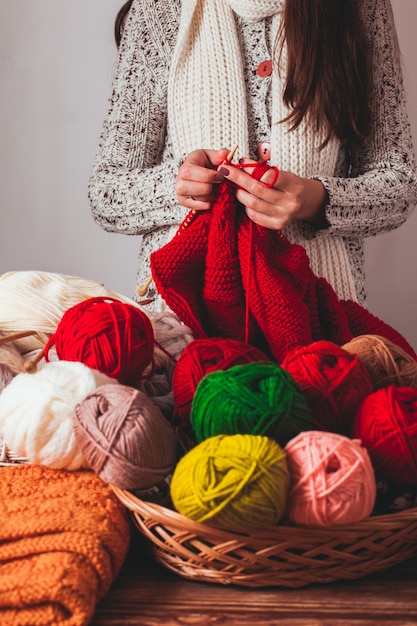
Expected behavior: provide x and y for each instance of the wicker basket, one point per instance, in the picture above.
(8, 457)
(286, 556)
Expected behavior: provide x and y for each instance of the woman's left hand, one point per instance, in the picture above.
(291, 197)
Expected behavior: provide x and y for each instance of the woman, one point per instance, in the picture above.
(313, 87)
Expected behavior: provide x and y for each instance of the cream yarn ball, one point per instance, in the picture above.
(37, 413)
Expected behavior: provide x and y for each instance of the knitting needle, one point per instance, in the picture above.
(230, 156)
(143, 302)
(16, 336)
(142, 290)
(31, 366)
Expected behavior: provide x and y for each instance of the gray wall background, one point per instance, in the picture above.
(56, 64)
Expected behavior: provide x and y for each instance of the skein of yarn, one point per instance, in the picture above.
(171, 338)
(334, 383)
(332, 480)
(386, 423)
(158, 388)
(387, 363)
(37, 413)
(108, 335)
(235, 482)
(258, 398)
(10, 356)
(171, 334)
(201, 357)
(6, 376)
(125, 438)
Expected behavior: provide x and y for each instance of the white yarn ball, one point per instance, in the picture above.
(37, 413)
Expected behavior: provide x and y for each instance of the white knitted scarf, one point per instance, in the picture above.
(211, 112)
(207, 109)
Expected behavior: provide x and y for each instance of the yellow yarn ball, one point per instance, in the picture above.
(236, 482)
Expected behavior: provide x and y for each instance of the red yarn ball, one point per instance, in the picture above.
(386, 423)
(202, 356)
(113, 337)
(334, 383)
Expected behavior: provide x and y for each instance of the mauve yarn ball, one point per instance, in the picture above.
(125, 438)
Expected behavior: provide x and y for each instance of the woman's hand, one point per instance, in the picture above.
(196, 177)
(291, 197)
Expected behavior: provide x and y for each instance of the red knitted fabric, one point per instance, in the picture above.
(220, 262)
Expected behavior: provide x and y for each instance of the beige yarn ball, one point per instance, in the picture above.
(387, 363)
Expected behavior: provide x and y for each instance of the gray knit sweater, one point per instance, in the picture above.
(131, 188)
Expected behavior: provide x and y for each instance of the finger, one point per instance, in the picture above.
(270, 177)
(209, 159)
(245, 181)
(272, 222)
(195, 187)
(217, 157)
(196, 203)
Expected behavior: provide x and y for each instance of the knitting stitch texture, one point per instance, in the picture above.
(63, 539)
(131, 188)
(203, 276)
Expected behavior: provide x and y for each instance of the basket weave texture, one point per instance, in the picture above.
(287, 556)
(8, 457)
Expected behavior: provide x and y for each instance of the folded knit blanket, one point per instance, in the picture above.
(63, 539)
(225, 276)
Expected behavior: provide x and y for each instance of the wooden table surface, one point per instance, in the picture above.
(147, 594)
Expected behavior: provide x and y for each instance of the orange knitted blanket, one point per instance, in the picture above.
(63, 539)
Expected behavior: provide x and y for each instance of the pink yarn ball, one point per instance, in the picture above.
(386, 423)
(334, 383)
(332, 480)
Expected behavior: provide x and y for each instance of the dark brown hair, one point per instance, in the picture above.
(328, 78)
(120, 20)
(328, 73)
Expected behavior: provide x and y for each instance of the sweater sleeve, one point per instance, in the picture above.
(379, 191)
(131, 187)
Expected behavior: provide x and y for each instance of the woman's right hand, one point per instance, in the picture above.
(196, 177)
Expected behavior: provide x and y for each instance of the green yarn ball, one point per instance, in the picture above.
(259, 398)
(234, 482)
